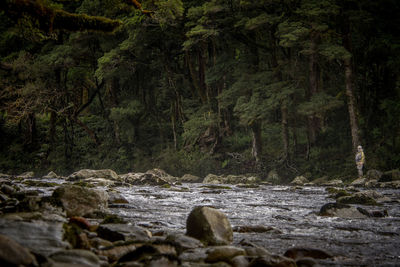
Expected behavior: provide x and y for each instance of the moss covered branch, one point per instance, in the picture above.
(50, 18)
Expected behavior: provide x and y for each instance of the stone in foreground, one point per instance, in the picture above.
(210, 226)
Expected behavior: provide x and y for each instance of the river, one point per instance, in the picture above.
(293, 211)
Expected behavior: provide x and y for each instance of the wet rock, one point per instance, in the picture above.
(116, 198)
(223, 253)
(273, 261)
(113, 253)
(115, 232)
(76, 257)
(341, 210)
(359, 182)
(210, 226)
(38, 236)
(87, 173)
(163, 175)
(393, 185)
(149, 254)
(193, 255)
(189, 178)
(143, 179)
(363, 198)
(256, 229)
(13, 254)
(79, 201)
(184, 242)
(51, 175)
(299, 180)
(301, 252)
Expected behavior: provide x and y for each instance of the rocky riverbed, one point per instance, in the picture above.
(106, 219)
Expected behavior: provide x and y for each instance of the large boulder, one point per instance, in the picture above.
(114, 232)
(38, 236)
(210, 226)
(373, 174)
(80, 201)
(87, 173)
(363, 198)
(299, 180)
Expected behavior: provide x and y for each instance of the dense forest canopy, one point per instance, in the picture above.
(220, 86)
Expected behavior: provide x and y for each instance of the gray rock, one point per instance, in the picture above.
(223, 253)
(334, 182)
(341, 210)
(184, 242)
(114, 232)
(75, 257)
(230, 179)
(143, 179)
(13, 254)
(359, 182)
(299, 180)
(39, 236)
(51, 175)
(210, 226)
(79, 201)
(26, 175)
(87, 173)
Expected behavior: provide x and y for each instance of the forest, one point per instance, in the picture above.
(199, 87)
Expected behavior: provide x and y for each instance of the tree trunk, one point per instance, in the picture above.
(285, 130)
(257, 140)
(313, 122)
(349, 84)
(350, 103)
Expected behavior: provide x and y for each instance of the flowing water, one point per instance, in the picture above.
(353, 242)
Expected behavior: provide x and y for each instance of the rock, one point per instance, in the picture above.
(210, 226)
(51, 175)
(256, 229)
(163, 175)
(373, 174)
(76, 257)
(273, 260)
(320, 181)
(299, 180)
(301, 252)
(113, 253)
(143, 179)
(341, 210)
(116, 198)
(223, 253)
(7, 189)
(87, 173)
(359, 182)
(13, 254)
(26, 175)
(125, 232)
(371, 183)
(79, 201)
(189, 178)
(38, 236)
(230, 179)
(193, 255)
(146, 253)
(363, 198)
(184, 242)
(393, 184)
(273, 177)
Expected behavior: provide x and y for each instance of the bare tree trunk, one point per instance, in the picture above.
(285, 130)
(349, 84)
(257, 140)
